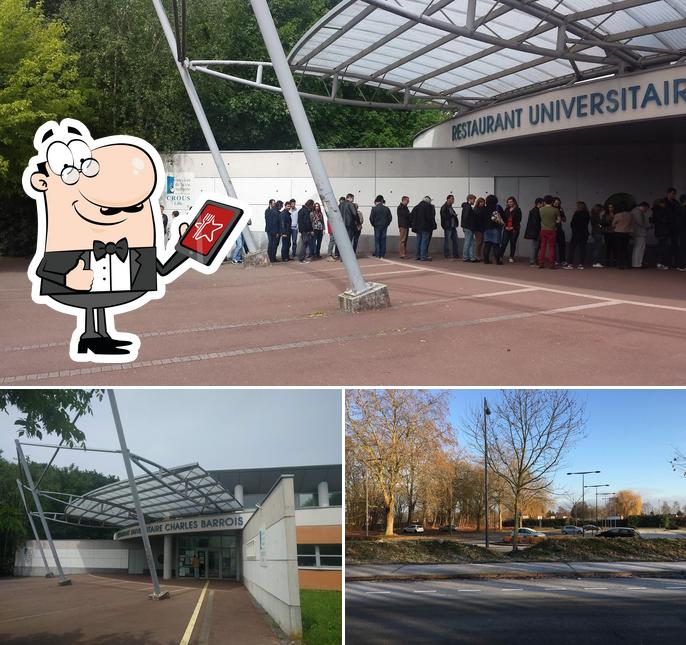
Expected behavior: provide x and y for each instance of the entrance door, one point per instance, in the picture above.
(202, 563)
(213, 564)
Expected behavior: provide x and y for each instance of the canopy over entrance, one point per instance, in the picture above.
(463, 55)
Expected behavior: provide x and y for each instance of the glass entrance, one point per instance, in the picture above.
(207, 557)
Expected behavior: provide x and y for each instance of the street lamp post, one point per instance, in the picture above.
(583, 474)
(487, 412)
(596, 486)
(606, 495)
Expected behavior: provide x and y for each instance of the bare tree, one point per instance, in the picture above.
(529, 432)
(388, 429)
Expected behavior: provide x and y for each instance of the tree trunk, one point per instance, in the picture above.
(390, 514)
(516, 525)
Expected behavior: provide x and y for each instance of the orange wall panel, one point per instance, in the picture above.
(320, 579)
(327, 534)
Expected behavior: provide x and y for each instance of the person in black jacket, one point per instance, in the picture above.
(479, 227)
(273, 229)
(533, 230)
(285, 222)
(513, 221)
(305, 228)
(662, 222)
(493, 225)
(449, 224)
(560, 239)
(423, 219)
(403, 225)
(380, 218)
(468, 228)
(580, 222)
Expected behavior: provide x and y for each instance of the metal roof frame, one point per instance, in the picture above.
(163, 493)
(548, 43)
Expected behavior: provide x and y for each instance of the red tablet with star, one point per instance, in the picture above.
(208, 231)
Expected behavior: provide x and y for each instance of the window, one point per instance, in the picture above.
(307, 555)
(320, 555)
(303, 500)
(336, 499)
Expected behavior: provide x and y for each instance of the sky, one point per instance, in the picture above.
(630, 436)
(219, 429)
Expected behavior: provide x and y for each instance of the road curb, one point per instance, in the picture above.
(517, 575)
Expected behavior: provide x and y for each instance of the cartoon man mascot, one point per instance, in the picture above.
(100, 243)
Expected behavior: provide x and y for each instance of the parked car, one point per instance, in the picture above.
(570, 529)
(592, 528)
(528, 533)
(447, 528)
(413, 528)
(620, 532)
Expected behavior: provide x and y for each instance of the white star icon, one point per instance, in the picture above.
(207, 228)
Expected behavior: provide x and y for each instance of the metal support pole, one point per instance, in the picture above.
(308, 143)
(36, 500)
(156, 595)
(366, 502)
(486, 413)
(48, 573)
(200, 114)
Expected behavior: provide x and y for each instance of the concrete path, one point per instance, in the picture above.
(281, 325)
(374, 572)
(116, 610)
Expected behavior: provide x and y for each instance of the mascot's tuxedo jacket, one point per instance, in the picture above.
(143, 263)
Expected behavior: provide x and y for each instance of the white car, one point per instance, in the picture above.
(413, 528)
(528, 533)
(572, 530)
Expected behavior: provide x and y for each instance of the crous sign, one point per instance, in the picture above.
(100, 244)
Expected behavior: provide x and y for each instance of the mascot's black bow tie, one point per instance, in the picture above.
(121, 248)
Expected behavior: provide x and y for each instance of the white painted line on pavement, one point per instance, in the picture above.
(376, 592)
(519, 589)
(555, 589)
(637, 588)
(428, 591)
(567, 292)
(595, 588)
(471, 590)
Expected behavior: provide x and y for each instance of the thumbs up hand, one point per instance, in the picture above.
(80, 278)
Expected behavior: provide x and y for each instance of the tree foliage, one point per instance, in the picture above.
(109, 64)
(38, 82)
(14, 525)
(528, 434)
(627, 502)
(49, 411)
(388, 429)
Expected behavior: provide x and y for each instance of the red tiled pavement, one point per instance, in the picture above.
(116, 610)
(450, 323)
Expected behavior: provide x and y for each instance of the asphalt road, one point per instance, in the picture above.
(638, 611)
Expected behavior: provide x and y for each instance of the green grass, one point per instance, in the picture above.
(425, 551)
(322, 616)
(605, 550)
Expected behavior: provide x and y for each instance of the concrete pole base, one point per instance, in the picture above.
(49, 574)
(64, 583)
(374, 297)
(163, 595)
(256, 259)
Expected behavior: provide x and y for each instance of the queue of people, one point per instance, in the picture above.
(612, 234)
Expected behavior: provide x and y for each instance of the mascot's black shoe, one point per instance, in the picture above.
(101, 346)
(116, 342)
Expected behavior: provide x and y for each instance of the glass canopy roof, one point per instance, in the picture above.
(165, 493)
(466, 54)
